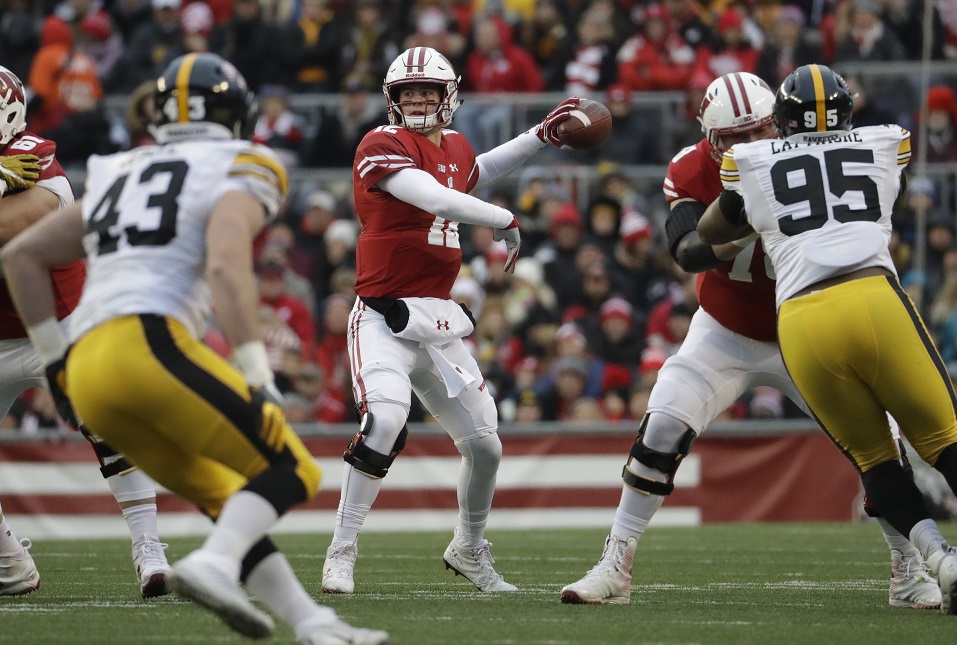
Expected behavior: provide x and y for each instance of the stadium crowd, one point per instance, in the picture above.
(596, 303)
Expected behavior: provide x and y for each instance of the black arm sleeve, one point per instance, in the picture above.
(901, 200)
(732, 207)
(691, 254)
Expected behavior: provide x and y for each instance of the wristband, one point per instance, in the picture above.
(48, 340)
(253, 362)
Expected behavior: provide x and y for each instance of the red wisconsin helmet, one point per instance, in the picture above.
(13, 106)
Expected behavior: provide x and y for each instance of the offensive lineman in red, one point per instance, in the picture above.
(33, 184)
(411, 184)
(731, 347)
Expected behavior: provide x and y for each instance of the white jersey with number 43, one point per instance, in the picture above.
(821, 201)
(145, 213)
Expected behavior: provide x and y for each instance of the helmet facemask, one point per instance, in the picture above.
(13, 106)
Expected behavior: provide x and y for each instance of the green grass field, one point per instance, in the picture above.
(765, 583)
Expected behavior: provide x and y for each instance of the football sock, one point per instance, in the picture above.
(9, 544)
(896, 541)
(135, 492)
(245, 518)
(275, 584)
(926, 536)
(476, 487)
(358, 493)
(634, 513)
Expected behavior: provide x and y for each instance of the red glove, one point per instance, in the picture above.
(513, 241)
(547, 130)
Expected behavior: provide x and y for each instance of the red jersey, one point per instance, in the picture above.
(67, 279)
(404, 251)
(738, 294)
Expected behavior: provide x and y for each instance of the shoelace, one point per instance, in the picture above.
(610, 558)
(150, 550)
(340, 553)
(483, 556)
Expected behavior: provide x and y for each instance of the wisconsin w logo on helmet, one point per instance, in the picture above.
(813, 98)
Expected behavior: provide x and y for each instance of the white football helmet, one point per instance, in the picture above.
(734, 104)
(13, 106)
(422, 65)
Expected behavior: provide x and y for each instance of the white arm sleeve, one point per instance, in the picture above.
(420, 189)
(505, 158)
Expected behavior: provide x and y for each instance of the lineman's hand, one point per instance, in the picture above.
(18, 172)
(547, 130)
(269, 393)
(56, 380)
(513, 241)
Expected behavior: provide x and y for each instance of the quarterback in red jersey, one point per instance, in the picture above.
(731, 348)
(411, 184)
(33, 185)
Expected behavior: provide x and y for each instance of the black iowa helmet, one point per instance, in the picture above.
(205, 88)
(813, 98)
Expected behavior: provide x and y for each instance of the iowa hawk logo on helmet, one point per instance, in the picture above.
(813, 98)
(422, 65)
(199, 92)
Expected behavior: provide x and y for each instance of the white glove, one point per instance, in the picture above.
(513, 241)
(253, 362)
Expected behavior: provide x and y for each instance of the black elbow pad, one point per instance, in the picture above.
(732, 207)
(682, 219)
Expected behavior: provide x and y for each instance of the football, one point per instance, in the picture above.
(587, 127)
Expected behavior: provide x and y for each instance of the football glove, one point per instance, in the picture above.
(19, 172)
(547, 130)
(513, 241)
(269, 394)
(56, 379)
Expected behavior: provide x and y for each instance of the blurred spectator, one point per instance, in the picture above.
(550, 42)
(248, 43)
(586, 410)
(311, 47)
(278, 337)
(656, 57)
(466, 290)
(528, 407)
(602, 221)
(632, 263)
(277, 126)
(528, 290)
(138, 115)
(866, 110)
(940, 239)
(596, 289)
(432, 30)
(766, 403)
(369, 46)
(557, 400)
(96, 39)
(687, 21)
(340, 243)
(197, 20)
(566, 231)
(906, 19)
(319, 214)
(495, 66)
(729, 51)
(331, 349)
(129, 15)
(941, 125)
(948, 16)
(339, 132)
(618, 343)
(291, 311)
(592, 65)
(65, 107)
(309, 383)
(153, 45)
(275, 253)
(668, 326)
(868, 38)
(787, 48)
(19, 36)
(635, 136)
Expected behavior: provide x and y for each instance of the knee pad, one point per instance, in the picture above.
(111, 462)
(663, 461)
(371, 462)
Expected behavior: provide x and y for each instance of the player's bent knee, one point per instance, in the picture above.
(652, 470)
(361, 455)
(484, 451)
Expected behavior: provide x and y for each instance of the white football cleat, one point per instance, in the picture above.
(943, 565)
(149, 560)
(212, 581)
(912, 585)
(337, 572)
(342, 633)
(19, 575)
(475, 564)
(609, 581)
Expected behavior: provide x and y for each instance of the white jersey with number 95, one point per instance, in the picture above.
(821, 201)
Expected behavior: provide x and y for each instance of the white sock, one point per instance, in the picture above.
(9, 544)
(635, 511)
(896, 541)
(358, 494)
(275, 584)
(246, 517)
(927, 538)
